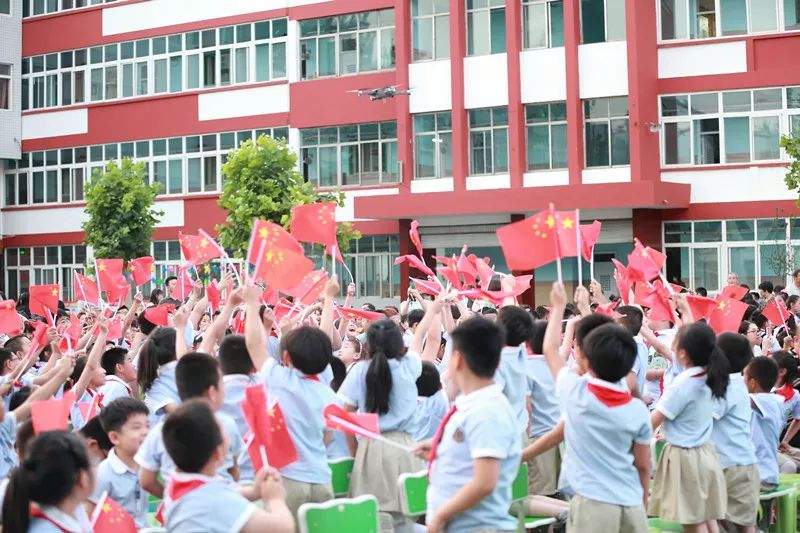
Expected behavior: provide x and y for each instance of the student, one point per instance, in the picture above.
(510, 374)
(767, 422)
(45, 494)
(337, 447)
(413, 318)
(631, 320)
(686, 411)
(787, 374)
(196, 499)
(119, 372)
(475, 454)
(87, 378)
(432, 402)
(96, 439)
(156, 373)
(731, 437)
(197, 375)
(125, 422)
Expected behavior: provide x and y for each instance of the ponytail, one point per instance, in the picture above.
(717, 373)
(699, 342)
(786, 361)
(158, 349)
(384, 342)
(16, 502)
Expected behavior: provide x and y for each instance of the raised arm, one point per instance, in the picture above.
(63, 370)
(198, 311)
(131, 314)
(433, 309)
(217, 328)
(326, 321)
(433, 340)
(254, 335)
(552, 335)
(93, 361)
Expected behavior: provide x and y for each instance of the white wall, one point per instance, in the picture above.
(432, 185)
(243, 102)
(55, 124)
(544, 77)
(749, 184)
(543, 178)
(485, 81)
(430, 83)
(603, 69)
(606, 175)
(492, 181)
(702, 59)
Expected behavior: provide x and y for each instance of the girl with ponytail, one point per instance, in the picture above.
(689, 486)
(47, 490)
(156, 373)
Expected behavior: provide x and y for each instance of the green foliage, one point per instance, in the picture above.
(119, 203)
(261, 181)
(791, 144)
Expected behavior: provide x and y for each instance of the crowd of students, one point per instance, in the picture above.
(576, 391)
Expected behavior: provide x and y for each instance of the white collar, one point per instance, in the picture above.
(77, 524)
(689, 373)
(244, 378)
(114, 377)
(168, 367)
(177, 475)
(607, 384)
(117, 466)
(737, 376)
(487, 393)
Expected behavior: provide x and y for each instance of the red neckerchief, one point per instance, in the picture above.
(177, 489)
(437, 437)
(787, 391)
(608, 396)
(36, 512)
(311, 377)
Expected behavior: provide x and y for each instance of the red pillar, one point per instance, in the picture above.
(405, 151)
(572, 38)
(404, 246)
(516, 111)
(458, 47)
(646, 227)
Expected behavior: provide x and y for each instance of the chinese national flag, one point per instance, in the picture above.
(339, 419)
(426, 286)
(530, 243)
(590, 233)
(655, 297)
(646, 260)
(282, 269)
(450, 273)
(268, 428)
(736, 292)
(623, 281)
(608, 309)
(117, 292)
(110, 517)
(701, 307)
(198, 250)
(315, 223)
(776, 312)
(269, 296)
(141, 269)
(214, 296)
(159, 315)
(70, 335)
(85, 289)
(185, 282)
(10, 322)
(53, 414)
(467, 267)
(272, 236)
(727, 315)
(309, 289)
(413, 234)
(568, 228)
(351, 313)
(485, 272)
(108, 272)
(415, 263)
(43, 298)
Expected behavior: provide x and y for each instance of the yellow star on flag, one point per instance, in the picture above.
(54, 292)
(101, 266)
(106, 508)
(567, 223)
(263, 233)
(203, 243)
(550, 221)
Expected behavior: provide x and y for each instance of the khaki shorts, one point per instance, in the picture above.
(743, 484)
(299, 492)
(543, 473)
(590, 516)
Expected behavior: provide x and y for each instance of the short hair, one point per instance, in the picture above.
(14, 344)
(191, 433)
(368, 307)
(702, 291)
(117, 413)
(429, 382)
(479, 341)
(24, 435)
(536, 340)
(631, 319)
(610, 351)
(111, 358)
(586, 324)
(792, 299)
(195, 373)
(736, 348)
(517, 323)
(5, 356)
(168, 279)
(796, 272)
(309, 349)
(145, 326)
(764, 371)
(766, 286)
(93, 429)
(234, 357)
(19, 397)
(414, 317)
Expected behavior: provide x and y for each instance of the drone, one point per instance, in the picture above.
(381, 93)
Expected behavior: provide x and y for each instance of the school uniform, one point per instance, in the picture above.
(481, 424)
(511, 377)
(431, 410)
(378, 465)
(8, 436)
(736, 452)
(337, 447)
(194, 502)
(302, 399)
(76, 417)
(640, 364)
(162, 392)
(114, 388)
(602, 423)
(790, 401)
(47, 519)
(122, 484)
(235, 384)
(765, 431)
(543, 471)
(688, 486)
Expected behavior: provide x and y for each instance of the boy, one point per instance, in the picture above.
(125, 422)
(767, 422)
(196, 376)
(731, 436)
(474, 456)
(237, 375)
(631, 320)
(119, 372)
(196, 499)
(510, 374)
(432, 403)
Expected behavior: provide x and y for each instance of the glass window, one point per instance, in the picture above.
(740, 230)
(486, 28)
(677, 143)
(791, 14)
(733, 17)
(706, 268)
(488, 140)
(737, 139)
(708, 231)
(606, 132)
(771, 229)
(542, 23)
(547, 136)
(430, 29)
(763, 15)
(766, 134)
(702, 19)
(706, 141)
(433, 145)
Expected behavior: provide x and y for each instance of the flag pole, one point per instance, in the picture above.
(591, 266)
(333, 261)
(99, 287)
(558, 250)
(580, 251)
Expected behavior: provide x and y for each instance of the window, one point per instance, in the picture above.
(433, 150)
(356, 154)
(728, 127)
(5, 86)
(547, 135)
(430, 29)
(542, 23)
(603, 20)
(606, 130)
(41, 7)
(5, 7)
(488, 140)
(42, 265)
(370, 260)
(169, 64)
(347, 44)
(701, 19)
(486, 27)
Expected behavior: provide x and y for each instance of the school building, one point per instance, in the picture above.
(661, 118)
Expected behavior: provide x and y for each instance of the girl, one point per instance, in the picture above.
(87, 377)
(787, 374)
(350, 351)
(689, 486)
(156, 373)
(46, 492)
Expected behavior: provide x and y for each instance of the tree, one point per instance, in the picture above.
(262, 181)
(791, 143)
(119, 203)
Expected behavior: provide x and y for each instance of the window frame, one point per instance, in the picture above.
(607, 120)
(549, 123)
(438, 158)
(432, 17)
(488, 132)
(780, 27)
(489, 9)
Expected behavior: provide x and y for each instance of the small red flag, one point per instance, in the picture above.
(776, 311)
(315, 223)
(416, 263)
(700, 306)
(425, 286)
(141, 269)
(85, 289)
(656, 297)
(52, 414)
(590, 233)
(159, 315)
(70, 334)
(43, 298)
(646, 260)
(308, 290)
(117, 292)
(467, 267)
(111, 517)
(185, 283)
(485, 272)
(413, 234)
(332, 251)
(351, 313)
(269, 430)
(10, 322)
(530, 243)
(727, 315)
(108, 272)
(273, 236)
(608, 309)
(282, 269)
(214, 296)
(623, 282)
(736, 292)
(337, 418)
(451, 274)
(568, 228)
(198, 250)
(269, 296)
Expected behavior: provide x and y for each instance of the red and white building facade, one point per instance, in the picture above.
(661, 118)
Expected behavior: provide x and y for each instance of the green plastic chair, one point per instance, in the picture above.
(340, 475)
(786, 499)
(413, 490)
(519, 491)
(657, 525)
(353, 515)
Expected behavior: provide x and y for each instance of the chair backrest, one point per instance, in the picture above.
(340, 475)
(353, 515)
(519, 488)
(413, 490)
